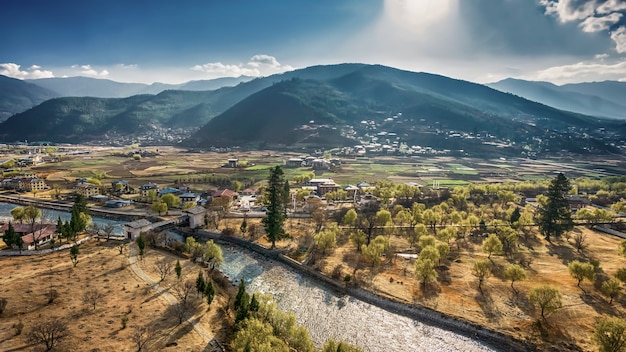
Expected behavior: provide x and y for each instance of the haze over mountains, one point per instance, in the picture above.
(603, 99)
(329, 106)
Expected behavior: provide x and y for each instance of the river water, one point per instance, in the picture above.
(53, 215)
(328, 315)
(324, 313)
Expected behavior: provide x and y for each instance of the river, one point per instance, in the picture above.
(328, 315)
(53, 215)
(324, 313)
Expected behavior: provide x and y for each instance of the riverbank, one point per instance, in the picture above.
(425, 315)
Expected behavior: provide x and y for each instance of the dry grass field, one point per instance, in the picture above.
(25, 282)
(498, 306)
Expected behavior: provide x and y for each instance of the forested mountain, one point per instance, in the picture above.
(18, 96)
(603, 99)
(328, 106)
(418, 108)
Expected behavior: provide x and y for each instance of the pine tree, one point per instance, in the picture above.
(209, 291)
(10, 237)
(275, 214)
(200, 283)
(240, 294)
(178, 269)
(556, 217)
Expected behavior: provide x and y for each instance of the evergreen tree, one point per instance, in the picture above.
(11, 237)
(209, 291)
(240, 294)
(59, 228)
(178, 269)
(555, 217)
(254, 304)
(200, 283)
(275, 214)
(515, 215)
(141, 244)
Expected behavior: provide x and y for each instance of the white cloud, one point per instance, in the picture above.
(619, 37)
(33, 72)
(611, 6)
(218, 69)
(87, 70)
(597, 24)
(581, 72)
(262, 59)
(570, 10)
(601, 56)
(258, 65)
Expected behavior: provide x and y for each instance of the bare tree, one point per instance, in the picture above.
(51, 295)
(142, 335)
(181, 309)
(121, 246)
(48, 333)
(107, 231)
(182, 290)
(163, 267)
(580, 241)
(96, 230)
(93, 297)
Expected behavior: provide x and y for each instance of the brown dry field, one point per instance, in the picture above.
(25, 280)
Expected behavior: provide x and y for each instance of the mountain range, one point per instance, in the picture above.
(334, 105)
(602, 99)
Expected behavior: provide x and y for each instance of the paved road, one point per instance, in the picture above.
(132, 259)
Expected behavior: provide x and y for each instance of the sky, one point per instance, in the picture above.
(559, 41)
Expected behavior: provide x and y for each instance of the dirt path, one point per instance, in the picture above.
(132, 259)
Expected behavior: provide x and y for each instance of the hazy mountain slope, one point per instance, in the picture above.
(89, 87)
(595, 99)
(17, 96)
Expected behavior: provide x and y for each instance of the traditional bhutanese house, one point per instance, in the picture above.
(120, 186)
(145, 188)
(87, 189)
(351, 191)
(196, 216)
(248, 192)
(225, 193)
(324, 188)
(168, 190)
(31, 184)
(294, 162)
(117, 203)
(135, 228)
(189, 198)
(232, 163)
(577, 202)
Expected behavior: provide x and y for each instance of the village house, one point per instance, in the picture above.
(32, 184)
(147, 187)
(294, 162)
(87, 189)
(189, 198)
(135, 228)
(120, 186)
(233, 163)
(196, 216)
(323, 185)
(42, 233)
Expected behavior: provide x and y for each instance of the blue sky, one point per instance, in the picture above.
(174, 41)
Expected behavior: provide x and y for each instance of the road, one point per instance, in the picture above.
(132, 260)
